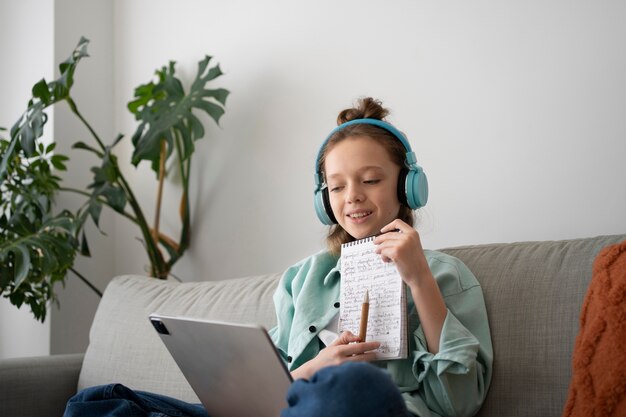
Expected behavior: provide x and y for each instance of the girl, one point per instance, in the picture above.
(368, 183)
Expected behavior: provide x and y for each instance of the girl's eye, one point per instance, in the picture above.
(371, 181)
(335, 188)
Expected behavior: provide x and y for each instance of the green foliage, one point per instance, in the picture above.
(29, 128)
(165, 112)
(38, 247)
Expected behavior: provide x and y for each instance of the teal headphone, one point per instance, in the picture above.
(412, 182)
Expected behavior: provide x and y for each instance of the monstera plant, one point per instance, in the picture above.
(38, 242)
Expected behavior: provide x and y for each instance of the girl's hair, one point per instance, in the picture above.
(366, 108)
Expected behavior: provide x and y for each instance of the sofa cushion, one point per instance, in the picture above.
(124, 347)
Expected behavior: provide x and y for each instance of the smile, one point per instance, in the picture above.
(359, 215)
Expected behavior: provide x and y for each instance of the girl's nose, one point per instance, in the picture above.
(355, 195)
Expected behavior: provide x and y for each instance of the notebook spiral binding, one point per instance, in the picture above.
(358, 242)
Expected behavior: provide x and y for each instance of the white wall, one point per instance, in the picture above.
(515, 109)
(26, 48)
(93, 95)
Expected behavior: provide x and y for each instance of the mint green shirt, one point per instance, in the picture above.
(452, 382)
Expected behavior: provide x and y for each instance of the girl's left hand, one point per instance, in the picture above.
(404, 248)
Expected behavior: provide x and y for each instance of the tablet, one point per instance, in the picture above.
(234, 369)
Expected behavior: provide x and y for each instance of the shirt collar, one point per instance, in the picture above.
(333, 274)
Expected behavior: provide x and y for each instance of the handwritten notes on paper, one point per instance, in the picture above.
(361, 270)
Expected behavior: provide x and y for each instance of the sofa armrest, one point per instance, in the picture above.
(38, 386)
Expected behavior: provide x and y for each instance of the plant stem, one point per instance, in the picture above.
(159, 268)
(156, 258)
(86, 281)
(176, 278)
(185, 239)
(157, 216)
(184, 204)
(77, 113)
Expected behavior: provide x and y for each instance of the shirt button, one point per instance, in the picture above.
(289, 359)
(312, 329)
(336, 304)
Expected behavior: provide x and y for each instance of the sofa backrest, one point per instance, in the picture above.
(533, 292)
(125, 348)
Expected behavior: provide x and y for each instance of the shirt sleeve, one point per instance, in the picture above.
(454, 381)
(283, 303)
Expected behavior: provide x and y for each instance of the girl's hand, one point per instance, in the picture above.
(340, 351)
(404, 248)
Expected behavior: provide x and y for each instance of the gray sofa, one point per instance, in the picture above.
(533, 292)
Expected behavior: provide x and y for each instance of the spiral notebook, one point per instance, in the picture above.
(363, 269)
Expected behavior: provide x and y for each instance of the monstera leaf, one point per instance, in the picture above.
(166, 112)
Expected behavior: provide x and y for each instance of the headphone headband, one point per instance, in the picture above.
(375, 122)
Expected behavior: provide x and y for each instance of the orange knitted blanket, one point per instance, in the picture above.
(598, 385)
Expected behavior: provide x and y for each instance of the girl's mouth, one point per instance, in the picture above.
(359, 216)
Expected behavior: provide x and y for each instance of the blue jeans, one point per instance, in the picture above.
(351, 389)
(115, 400)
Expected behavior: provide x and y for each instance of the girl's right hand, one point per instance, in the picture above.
(340, 351)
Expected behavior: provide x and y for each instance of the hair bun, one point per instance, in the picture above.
(365, 108)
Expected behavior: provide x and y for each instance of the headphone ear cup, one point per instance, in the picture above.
(416, 188)
(322, 207)
(327, 206)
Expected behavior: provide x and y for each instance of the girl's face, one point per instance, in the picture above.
(362, 184)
